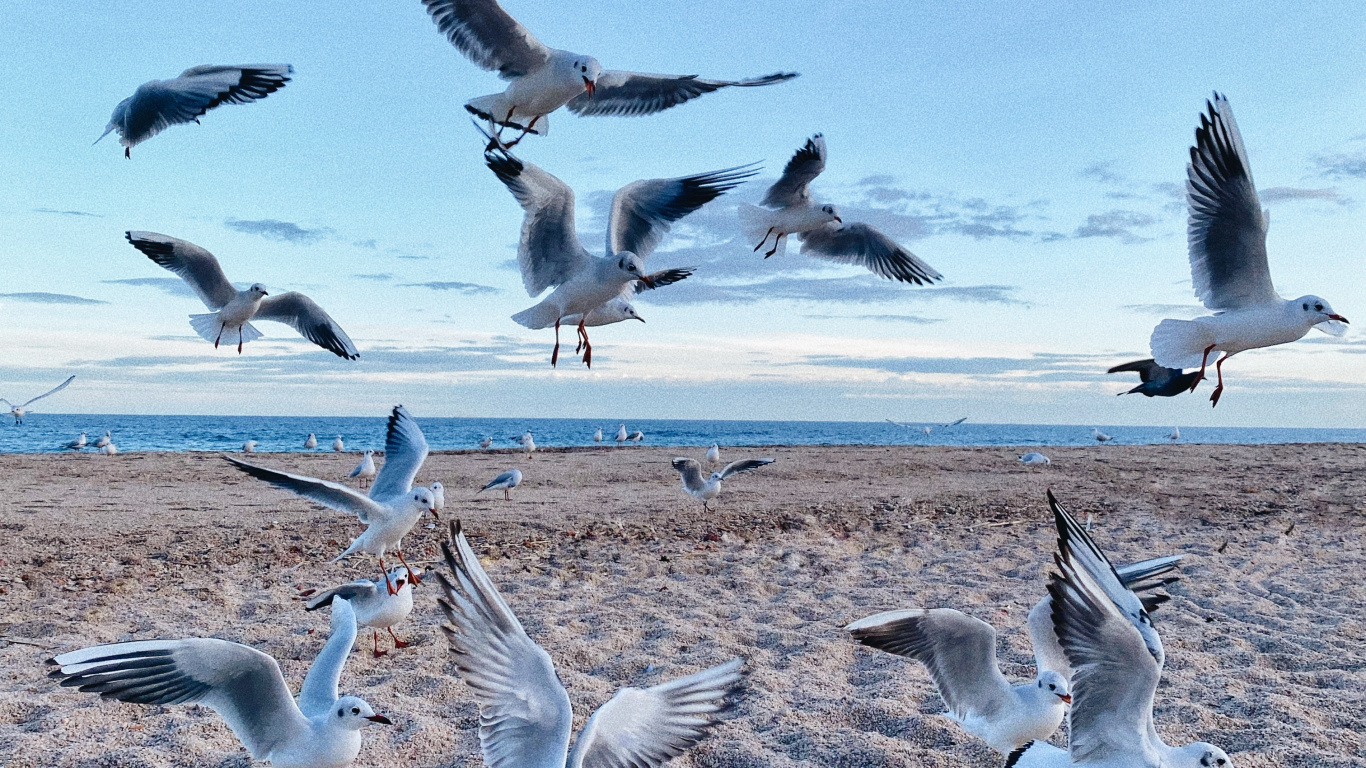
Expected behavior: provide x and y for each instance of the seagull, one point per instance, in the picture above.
(311, 442)
(1175, 435)
(159, 104)
(249, 446)
(524, 711)
(438, 494)
(1100, 437)
(365, 470)
(76, 444)
(109, 450)
(550, 254)
(1034, 457)
(637, 436)
(103, 441)
(393, 507)
(243, 685)
(620, 436)
(486, 442)
(375, 608)
(1108, 636)
(19, 411)
(541, 79)
(714, 454)
(528, 444)
(507, 481)
(789, 210)
(959, 652)
(620, 308)
(1227, 241)
(337, 445)
(233, 309)
(1157, 381)
(706, 489)
(597, 435)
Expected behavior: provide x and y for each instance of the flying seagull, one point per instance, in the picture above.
(233, 309)
(21, 410)
(159, 104)
(1157, 381)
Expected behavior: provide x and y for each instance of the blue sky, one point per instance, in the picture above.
(1034, 155)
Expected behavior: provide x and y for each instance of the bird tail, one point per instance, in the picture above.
(1180, 343)
(107, 131)
(207, 326)
(542, 315)
(494, 108)
(755, 223)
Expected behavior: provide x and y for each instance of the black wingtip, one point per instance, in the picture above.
(1014, 757)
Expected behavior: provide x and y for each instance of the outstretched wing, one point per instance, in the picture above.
(643, 210)
(160, 104)
(325, 492)
(405, 448)
(864, 246)
(794, 185)
(305, 316)
(193, 264)
(320, 685)
(743, 465)
(637, 93)
(52, 391)
(352, 590)
(549, 253)
(691, 472)
(491, 38)
(658, 280)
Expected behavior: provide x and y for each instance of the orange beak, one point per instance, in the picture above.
(839, 219)
(433, 511)
(590, 86)
(1338, 318)
(1066, 699)
(646, 279)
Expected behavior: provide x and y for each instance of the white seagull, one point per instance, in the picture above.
(438, 494)
(311, 442)
(365, 470)
(233, 309)
(790, 210)
(637, 436)
(77, 444)
(375, 608)
(620, 436)
(528, 444)
(507, 481)
(109, 450)
(1227, 241)
(714, 454)
(597, 435)
(393, 507)
(1107, 635)
(338, 445)
(1099, 436)
(486, 442)
(541, 79)
(524, 711)
(21, 410)
(243, 685)
(159, 104)
(705, 489)
(1034, 457)
(105, 440)
(1175, 435)
(249, 446)
(550, 254)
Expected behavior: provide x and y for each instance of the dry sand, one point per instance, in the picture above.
(613, 569)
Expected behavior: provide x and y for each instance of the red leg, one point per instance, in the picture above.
(397, 643)
(587, 348)
(555, 356)
(506, 496)
(411, 575)
(374, 638)
(525, 131)
(1204, 361)
(385, 570)
(1218, 390)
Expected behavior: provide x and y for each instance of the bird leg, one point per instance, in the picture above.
(374, 638)
(555, 356)
(525, 131)
(582, 338)
(397, 643)
(506, 496)
(1218, 390)
(765, 240)
(127, 156)
(385, 570)
(219, 337)
(239, 339)
(1204, 361)
(587, 348)
(412, 577)
(776, 241)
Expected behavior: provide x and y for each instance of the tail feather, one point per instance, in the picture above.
(208, 327)
(1180, 343)
(494, 107)
(755, 223)
(542, 315)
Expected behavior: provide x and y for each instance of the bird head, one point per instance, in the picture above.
(630, 313)
(423, 499)
(1319, 314)
(633, 268)
(588, 69)
(1210, 755)
(353, 714)
(401, 576)
(258, 290)
(829, 210)
(1056, 684)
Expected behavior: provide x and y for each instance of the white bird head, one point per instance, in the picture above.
(400, 576)
(353, 714)
(830, 210)
(586, 68)
(422, 498)
(258, 290)
(632, 268)
(438, 494)
(1319, 314)
(1207, 754)
(1054, 683)
(369, 453)
(628, 312)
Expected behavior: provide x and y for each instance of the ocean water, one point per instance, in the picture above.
(46, 432)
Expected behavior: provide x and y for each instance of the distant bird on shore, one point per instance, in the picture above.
(1099, 436)
(506, 481)
(365, 470)
(524, 711)
(714, 454)
(1175, 435)
(528, 444)
(597, 435)
(338, 445)
(637, 436)
(789, 210)
(105, 440)
(1227, 243)
(375, 607)
(544, 79)
(704, 489)
(109, 449)
(159, 104)
(438, 494)
(249, 446)
(1034, 457)
(20, 411)
(77, 444)
(233, 309)
(620, 436)
(311, 442)
(486, 442)
(243, 685)
(1157, 381)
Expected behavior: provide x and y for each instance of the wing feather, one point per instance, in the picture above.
(638, 93)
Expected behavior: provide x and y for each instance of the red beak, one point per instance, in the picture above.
(381, 719)
(646, 279)
(433, 511)
(839, 219)
(1338, 318)
(590, 86)
(1066, 699)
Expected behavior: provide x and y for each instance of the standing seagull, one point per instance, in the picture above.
(824, 234)
(311, 442)
(19, 411)
(375, 607)
(1156, 381)
(249, 446)
(714, 454)
(541, 79)
(597, 435)
(1227, 240)
(393, 507)
(528, 444)
(77, 444)
(550, 254)
(103, 441)
(620, 436)
(1099, 436)
(338, 445)
(486, 442)
(438, 494)
(706, 489)
(1175, 435)
(365, 470)
(637, 436)
(507, 481)
(524, 711)
(158, 104)
(243, 685)
(233, 309)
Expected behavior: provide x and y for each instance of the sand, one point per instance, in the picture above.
(613, 569)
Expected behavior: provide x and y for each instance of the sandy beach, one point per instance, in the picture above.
(626, 581)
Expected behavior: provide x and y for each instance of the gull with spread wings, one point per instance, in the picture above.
(706, 488)
(21, 410)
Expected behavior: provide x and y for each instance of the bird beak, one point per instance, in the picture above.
(646, 279)
(433, 511)
(1066, 698)
(641, 319)
(381, 719)
(839, 219)
(1338, 318)
(590, 86)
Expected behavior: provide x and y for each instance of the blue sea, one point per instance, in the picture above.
(46, 432)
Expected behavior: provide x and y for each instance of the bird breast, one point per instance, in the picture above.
(802, 218)
(241, 309)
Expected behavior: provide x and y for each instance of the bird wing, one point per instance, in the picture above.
(305, 316)
(489, 36)
(191, 263)
(325, 492)
(657, 280)
(643, 210)
(743, 465)
(691, 472)
(645, 728)
(793, 187)
(1147, 370)
(357, 470)
(241, 684)
(958, 651)
(498, 481)
(320, 685)
(1227, 230)
(405, 448)
(549, 253)
(52, 391)
(160, 104)
(360, 589)
(524, 712)
(638, 93)
(865, 246)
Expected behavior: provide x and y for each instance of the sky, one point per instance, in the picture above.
(1033, 154)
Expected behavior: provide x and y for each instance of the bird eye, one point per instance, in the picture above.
(1318, 307)
(1052, 687)
(355, 710)
(584, 69)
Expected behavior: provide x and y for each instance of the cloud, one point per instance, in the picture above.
(1291, 194)
(171, 285)
(1342, 166)
(68, 213)
(273, 229)
(1039, 366)
(371, 244)
(1117, 224)
(469, 289)
(911, 319)
(1183, 310)
(378, 277)
(861, 289)
(49, 298)
(1101, 171)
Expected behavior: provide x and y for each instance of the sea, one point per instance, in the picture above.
(47, 432)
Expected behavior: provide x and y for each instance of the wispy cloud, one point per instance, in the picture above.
(469, 289)
(49, 298)
(68, 213)
(1342, 165)
(855, 290)
(1037, 367)
(171, 285)
(1292, 194)
(911, 319)
(284, 231)
(1182, 310)
(377, 276)
(1118, 224)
